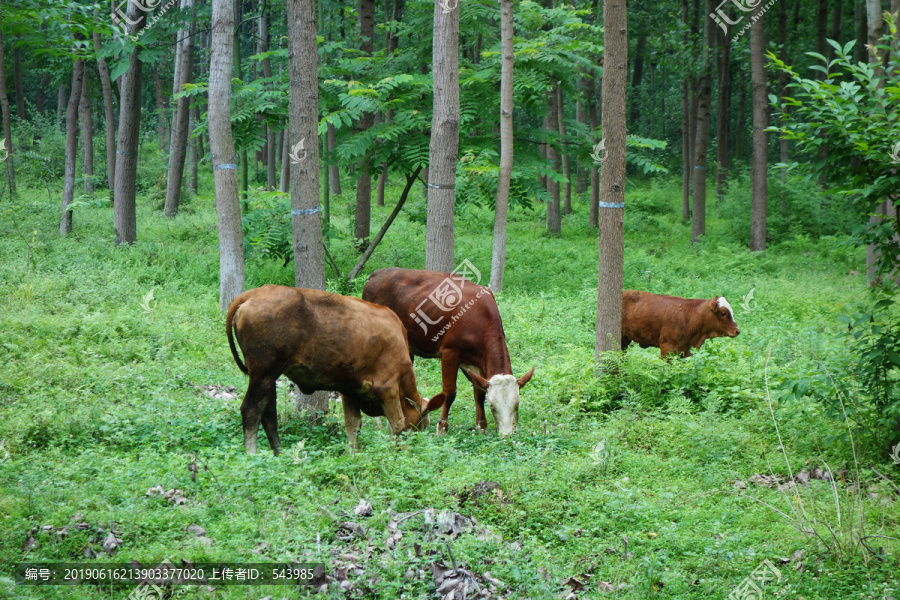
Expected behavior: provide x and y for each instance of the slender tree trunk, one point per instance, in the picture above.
(594, 211)
(554, 219)
(162, 109)
(194, 151)
(704, 97)
(723, 113)
(564, 157)
(507, 57)
(861, 53)
(41, 102)
(221, 143)
(7, 125)
(382, 180)
(612, 181)
(109, 116)
(61, 100)
(306, 219)
(821, 26)
(439, 236)
(65, 225)
(582, 117)
(875, 23)
(363, 220)
(128, 139)
(181, 117)
(271, 166)
(637, 77)
(760, 137)
(835, 30)
(285, 184)
(87, 133)
(741, 130)
(685, 151)
(243, 160)
(334, 175)
(17, 81)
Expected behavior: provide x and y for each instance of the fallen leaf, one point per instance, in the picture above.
(363, 509)
(111, 543)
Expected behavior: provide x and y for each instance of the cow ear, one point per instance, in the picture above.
(476, 380)
(435, 403)
(525, 378)
(714, 304)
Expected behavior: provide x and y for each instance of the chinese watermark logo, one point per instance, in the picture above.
(448, 5)
(745, 304)
(722, 19)
(145, 303)
(597, 154)
(895, 155)
(5, 454)
(749, 588)
(119, 14)
(895, 454)
(4, 154)
(296, 159)
(447, 296)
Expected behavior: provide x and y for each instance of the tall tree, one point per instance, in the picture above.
(306, 213)
(554, 217)
(723, 112)
(221, 144)
(124, 207)
(821, 27)
(439, 235)
(109, 115)
(701, 145)
(87, 133)
(507, 57)
(362, 224)
(685, 126)
(637, 76)
(564, 156)
(17, 78)
(612, 180)
(61, 101)
(271, 164)
(334, 172)
(162, 108)
(7, 127)
(181, 117)
(65, 225)
(760, 137)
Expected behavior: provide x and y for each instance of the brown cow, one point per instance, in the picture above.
(322, 341)
(451, 318)
(674, 324)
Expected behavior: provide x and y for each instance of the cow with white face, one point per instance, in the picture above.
(449, 317)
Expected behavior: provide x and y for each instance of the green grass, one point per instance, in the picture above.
(100, 404)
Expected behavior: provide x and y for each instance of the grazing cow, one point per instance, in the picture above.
(451, 318)
(674, 324)
(322, 341)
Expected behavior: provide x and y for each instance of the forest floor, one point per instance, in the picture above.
(119, 419)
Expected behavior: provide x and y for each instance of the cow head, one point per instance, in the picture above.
(416, 413)
(502, 395)
(724, 317)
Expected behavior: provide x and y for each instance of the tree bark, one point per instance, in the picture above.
(306, 219)
(554, 218)
(221, 143)
(124, 207)
(61, 100)
(821, 26)
(271, 165)
(760, 137)
(835, 30)
(594, 210)
(181, 117)
(612, 181)
(783, 82)
(439, 236)
(363, 220)
(65, 225)
(722, 116)
(109, 116)
(17, 81)
(162, 109)
(507, 58)
(334, 172)
(7, 125)
(285, 184)
(87, 133)
(194, 150)
(243, 161)
(686, 130)
(41, 102)
(582, 116)
(861, 53)
(637, 76)
(704, 97)
(564, 157)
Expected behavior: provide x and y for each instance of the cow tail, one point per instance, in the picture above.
(229, 326)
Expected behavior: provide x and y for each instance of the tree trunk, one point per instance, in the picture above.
(162, 109)
(61, 100)
(285, 184)
(439, 236)
(554, 219)
(17, 81)
(41, 102)
(637, 76)
(181, 117)
(124, 207)
(760, 137)
(581, 116)
(835, 31)
(221, 144)
(306, 219)
(65, 225)
(567, 187)
(363, 220)
(382, 181)
(7, 125)
(271, 166)
(238, 73)
(334, 172)
(875, 30)
(109, 116)
(821, 26)
(507, 57)
(194, 151)
(861, 53)
(783, 82)
(704, 97)
(594, 210)
(685, 151)
(612, 181)
(722, 116)
(87, 133)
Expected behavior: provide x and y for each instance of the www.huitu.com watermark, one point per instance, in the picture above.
(750, 588)
(298, 152)
(722, 19)
(119, 13)
(448, 296)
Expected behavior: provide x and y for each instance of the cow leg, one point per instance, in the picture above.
(449, 368)
(480, 420)
(270, 422)
(259, 391)
(393, 412)
(352, 421)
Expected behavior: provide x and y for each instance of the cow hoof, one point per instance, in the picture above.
(481, 426)
(442, 427)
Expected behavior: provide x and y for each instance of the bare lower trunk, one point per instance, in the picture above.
(334, 172)
(271, 166)
(612, 181)
(594, 212)
(285, 184)
(7, 126)
(723, 116)
(554, 219)
(61, 99)
(685, 151)
(221, 143)
(17, 81)
(704, 97)
(498, 255)
(109, 116)
(194, 151)
(41, 102)
(181, 117)
(582, 169)
(87, 134)
(760, 137)
(564, 157)
(439, 236)
(65, 225)
(363, 209)
(162, 109)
